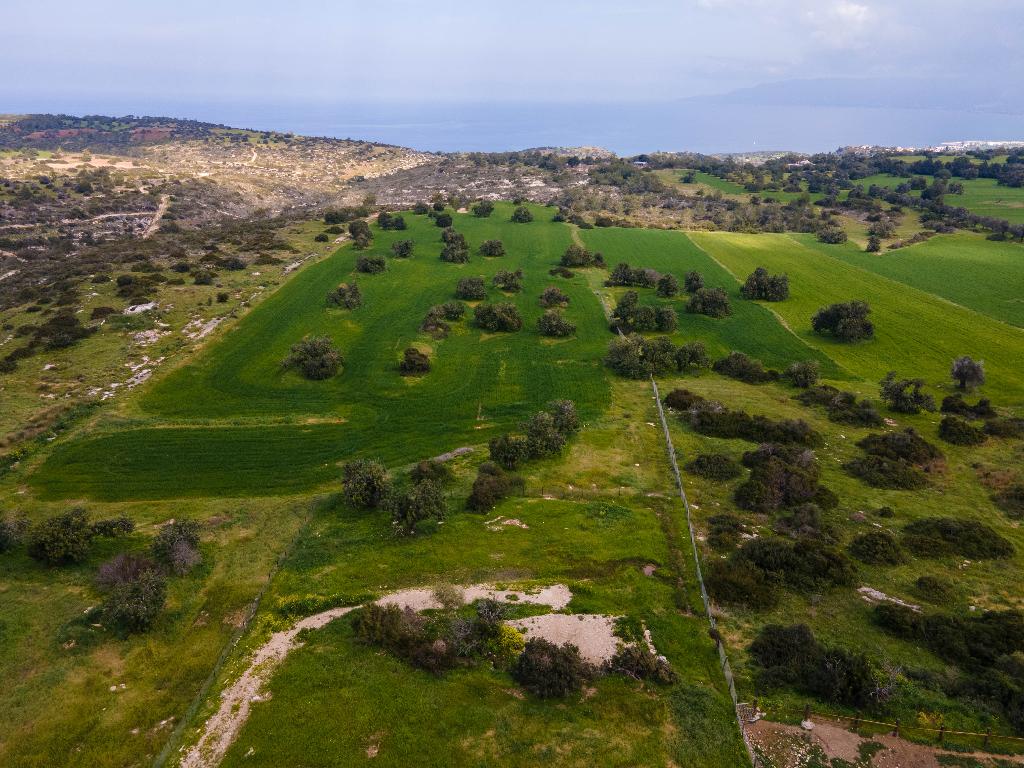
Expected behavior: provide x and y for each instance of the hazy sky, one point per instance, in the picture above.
(284, 51)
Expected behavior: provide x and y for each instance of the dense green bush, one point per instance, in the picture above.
(64, 538)
(692, 356)
(578, 256)
(842, 407)
(637, 661)
(403, 249)
(414, 362)
(551, 671)
(946, 536)
(432, 469)
(877, 548)
(693, 281)
(714, 420)
(636, 357)
(491, 248)
(761, 285)
(176, 546)
(316, 358)
(424, 501)
(471, 289)
(553, 323)
(959, 431)
(880, 472)
(682, 399)
(508, 281)
(1005, 427)
(905, 395)
(935, 589)
(624, 275)
(133, 606)
(503, 316)
(737, 365)
(483, 209)
(724, 531)
(739, 582)
(956, 405)
(1010, 499)
(804, 373)
(713, 302)
(365, 483)
(371, 265)
(455, 253)
(906, 446)
(346, 295)
(668, 286)
(846, 322)
(492, 484)
(715, 466)
(522, 215)
(553, 297)
(509, 450)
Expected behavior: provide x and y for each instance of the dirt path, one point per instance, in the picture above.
(220, 730)
(165, 201)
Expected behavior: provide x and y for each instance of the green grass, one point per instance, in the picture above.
(981, 196)
(916, 333)
(967, 269)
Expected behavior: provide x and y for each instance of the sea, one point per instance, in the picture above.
(625, 128)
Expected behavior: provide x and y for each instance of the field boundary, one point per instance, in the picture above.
(722, 655)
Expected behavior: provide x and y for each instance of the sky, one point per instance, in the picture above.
(320, 52)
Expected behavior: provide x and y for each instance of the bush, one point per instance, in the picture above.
(967, 372)
(637, 661)
(121, 569)
(346, 295)
(877, 548)
(714, 420)
(761, 285)
(906, 446)
(315, 358)
(203, 277)
(842, 407)
(737, 365)
(113, 527)
(134, 605)
(776, 482)
(803, 374)
(11, 533)
(880, 472)
(668, 286)
(905, 395)
(64, 538)
(636, 357)
(956, 405)
(623, 274)
(561, 272)
(715, 466)
(553, 297)
(425, 500)
(323, 237)
(509, 450)
(414, 362)
(483, 209)
(693, 282)
(957, 431)
(942, 536)
(371, 265)
(502, 316)
(403, 249)
(443, 220)
(845, 322)
(492, 484)
(803, 564)
(543, 437)
(692, 355)
(553, 323)
(832, 235)
(492, 248)
(550, 671)
(724, 531)
(471, 289)
(935, 589)
(577, 256)
(682, 399)
(1009, 427)
(522, 215)
(390, 221)
(455, 251)
(432, 469)
(510, 282)
(365, 483)
(1011, 499)
(713, 302)
(733, 582)
(176, 546)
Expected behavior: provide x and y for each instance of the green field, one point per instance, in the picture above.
(981, 196)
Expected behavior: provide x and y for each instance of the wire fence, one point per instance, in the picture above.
(723, 657)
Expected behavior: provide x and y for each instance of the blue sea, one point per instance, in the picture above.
(626, 128)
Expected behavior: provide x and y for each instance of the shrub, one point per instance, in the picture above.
(1011, 499)
(455, 253)
(553, 323)
(577, 256)
(682, 399)
(905, 395)
(693, 282)
(967, 372)
(715, 466)
(845, 322)
(637, 661)
(502, 316)
(414, 362)
(724, 531)
(11, 532)
(134, 605)
(371, 265)
(509, 450)
(692, 355)
(906, 446)
(802, 564)
(64, 538)
(803, 374)
(761, 285)
(740, 583)
(483, 209)
(202, 276)
(737, 365)
(113, 527)
(1009, 427)
(935, 589)
(956, 405)
(804, 521)
(668, 286)
(403, 249)
(425, 500)
(832, 235)
(714, 420)
(390, 221)
(316, 358)
(505, 646)
(775, 482)
(471, 289)
(842, 407)
(880, 472)
(713, 302)
(563, 413)
(550, 671)
(543, 438)
(492, 248)
(941, 536)
(432, 469)
(121, 569)
(636, 357)
(323, 237)
(511, 282)
(876, 548)
(176, 546)
(365, 483)
(665, 319)
(346, 295)
(522, 215)
(623, 274)
(443, 220)
(492, 484)
(553, 297)
(561, 272)
(957, 431)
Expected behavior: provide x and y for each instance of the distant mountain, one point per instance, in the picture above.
(954, 94)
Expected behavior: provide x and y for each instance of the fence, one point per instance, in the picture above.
(722, 655)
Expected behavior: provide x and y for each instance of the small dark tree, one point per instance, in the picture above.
(553, 323)
(567, 421)
(522, 215)
(64, 538)
(691, 356)
(905, 395)
(502, 316)
(414, 363)
(133, 606)
(443, 220)
(510, 282)
(804, 374)
(761, 285)
(553, 297)
(509, 450)
(846, 322)
(693, 281)
(423, 501)
(471, 289)
(315, 358)
(483, 209)
(403, 249)
(577, 256)
(665, 319)
(365, 483)
(492, 484)
(550, 671)
(668, 286)
(713, 302)
(967, 372)
(371, 265)
(455, 253)
(543, 438)
(492, 248)
(346, 295)
(176, 546)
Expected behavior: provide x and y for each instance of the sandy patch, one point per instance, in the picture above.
(592, 633)
(875, 596)
(501, 522)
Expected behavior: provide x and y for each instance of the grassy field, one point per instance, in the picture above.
(981, 196)
(922, 342)
(965, 268)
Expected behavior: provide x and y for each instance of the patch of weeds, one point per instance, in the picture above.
(606, 513)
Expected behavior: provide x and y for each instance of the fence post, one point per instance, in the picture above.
(942, 734)
(897, 731)
(807, 712)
